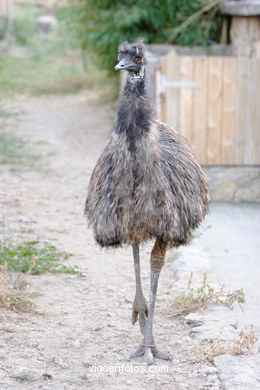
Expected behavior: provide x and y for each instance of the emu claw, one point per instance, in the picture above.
(138, 352)
(149, 354)
(161, 355)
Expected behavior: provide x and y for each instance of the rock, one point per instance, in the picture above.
(124, 353)
(223, 191)
(26, 374)
(76, 343)
(41, 347)
(211, 370)
(212, 379)
(207, 370)
(47, 376)
(86, 363)
(46, 23)
(110, 288)
(177, 343)
(234, 183)
(194, 319)
(180, 387)
(24, 219)
(58, 360)
(249, 193)
(239, 372)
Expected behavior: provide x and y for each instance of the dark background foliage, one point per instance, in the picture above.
(99, 26)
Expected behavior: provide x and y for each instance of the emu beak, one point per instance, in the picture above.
(121, 65)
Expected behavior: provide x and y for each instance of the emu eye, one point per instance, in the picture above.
(138, 60)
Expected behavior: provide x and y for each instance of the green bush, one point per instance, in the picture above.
(3, 24)
(35, 258)
(25, 24)
(101, 25)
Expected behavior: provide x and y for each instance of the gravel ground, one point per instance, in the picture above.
(227, 250)
(82, 330)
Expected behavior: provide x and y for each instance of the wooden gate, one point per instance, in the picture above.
(215, 103)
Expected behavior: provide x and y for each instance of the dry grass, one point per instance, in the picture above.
(204, 296)
(243, 344)
(14, 293)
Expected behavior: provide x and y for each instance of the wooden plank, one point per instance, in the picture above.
(172, 94)
(221, 116)
(253, 128)
(227, 152)
(163, 72)
(199, 129)
(186, 94)
(241, 110)
(158, 94)
(248, 130)
(245, 35)
(214, 110)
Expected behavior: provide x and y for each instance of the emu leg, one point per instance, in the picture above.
(139, 305)
(140, 309)
(148, 348)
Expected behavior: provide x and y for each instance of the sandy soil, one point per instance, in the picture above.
(84, 323)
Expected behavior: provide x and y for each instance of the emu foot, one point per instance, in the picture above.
(149, 354)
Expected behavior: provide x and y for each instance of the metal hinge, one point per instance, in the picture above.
(164, 84)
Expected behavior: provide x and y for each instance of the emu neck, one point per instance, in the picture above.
(134, 116)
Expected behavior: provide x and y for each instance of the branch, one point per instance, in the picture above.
(190, 19)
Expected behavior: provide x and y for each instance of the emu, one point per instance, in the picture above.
(146, 185)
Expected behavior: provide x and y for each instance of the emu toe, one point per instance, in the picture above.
(149, 354)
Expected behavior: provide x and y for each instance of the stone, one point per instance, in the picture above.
(249, 193)
(58, 360)
(239, 372)
(208, 370)
(87, 363)
(76, 343)
(240, 183)
(194, 319)
(46, 23)
(24, 219)
(47, 376)
(26, 374)
(222, 191)
(41, 347)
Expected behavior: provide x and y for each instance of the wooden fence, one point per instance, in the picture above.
(215, 103)
(3, 8)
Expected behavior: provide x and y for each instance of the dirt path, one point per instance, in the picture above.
(85, 322)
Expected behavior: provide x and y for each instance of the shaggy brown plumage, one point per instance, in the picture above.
(147, 182)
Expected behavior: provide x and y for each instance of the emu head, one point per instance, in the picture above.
(131, 56)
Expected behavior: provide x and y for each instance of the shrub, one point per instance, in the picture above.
(35, 258)
(101, 25)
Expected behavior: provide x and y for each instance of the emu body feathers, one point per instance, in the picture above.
(147, 182)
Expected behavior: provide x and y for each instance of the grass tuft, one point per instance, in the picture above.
(243, 344)
(14, 293)
(14, 150)
(38, 63)
(36, 259)
(7, 113)
(204, 296)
